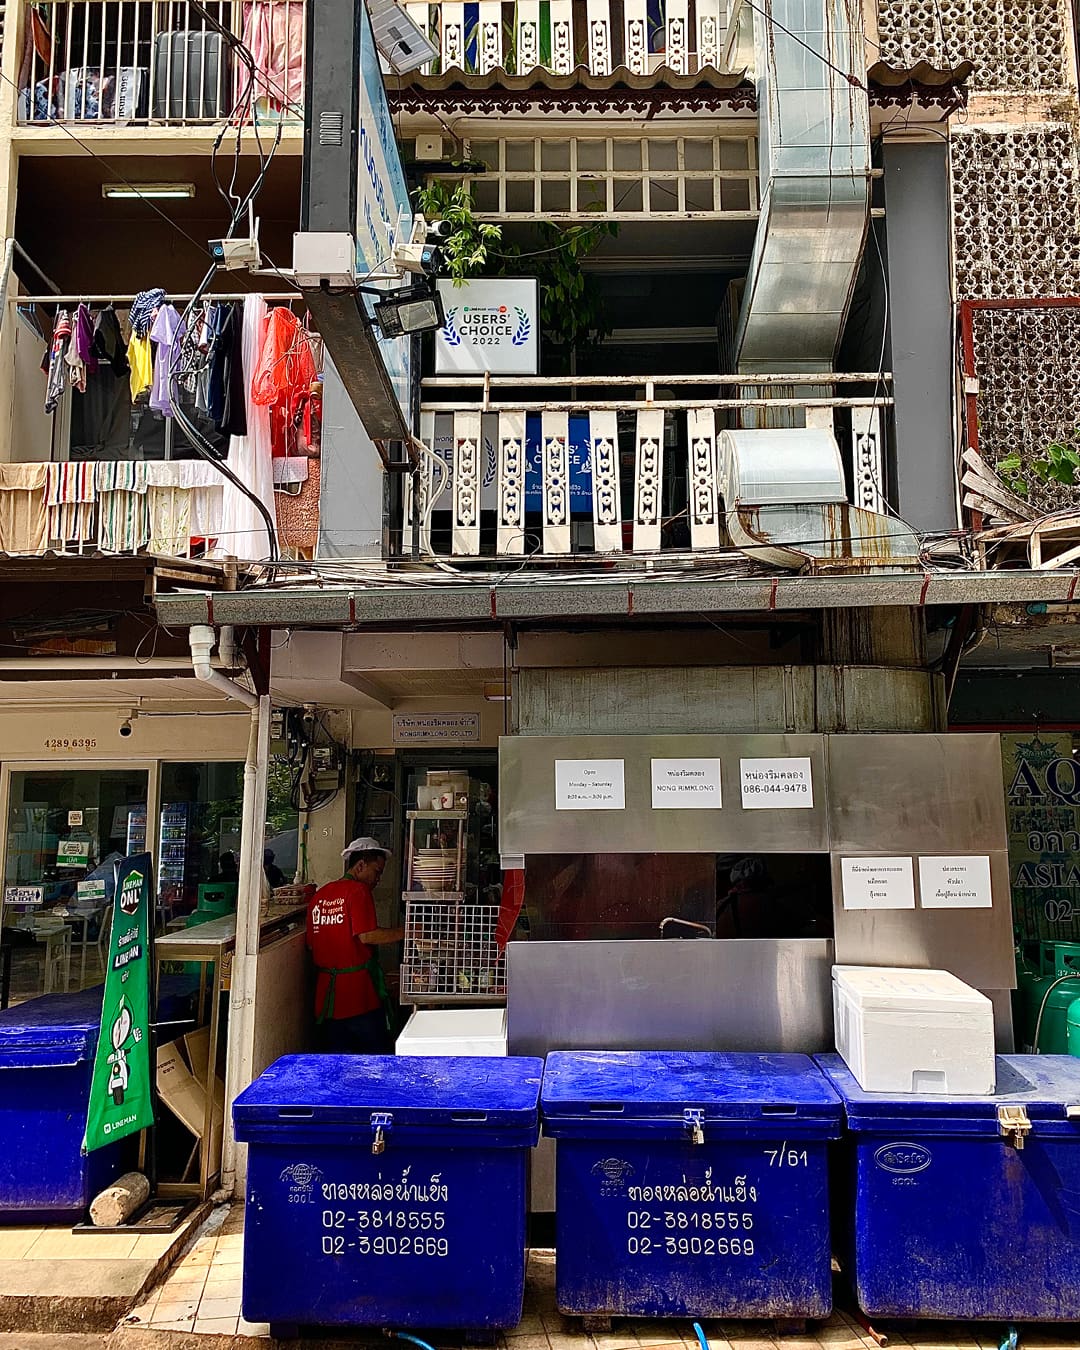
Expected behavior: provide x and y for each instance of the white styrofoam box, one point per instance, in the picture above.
(913, 1031)
(454, 1031)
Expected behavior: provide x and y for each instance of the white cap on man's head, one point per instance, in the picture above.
(366, 845)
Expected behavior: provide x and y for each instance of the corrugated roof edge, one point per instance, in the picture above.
(880, 73)
(403, 606)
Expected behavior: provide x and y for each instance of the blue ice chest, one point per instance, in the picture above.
(387, 1191)
(46, 1061)
(944, 1215)
(690, 1185)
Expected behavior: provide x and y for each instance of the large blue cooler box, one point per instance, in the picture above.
(385, 1191)
(943, 1215)
(650, 1223)
(47, 1050)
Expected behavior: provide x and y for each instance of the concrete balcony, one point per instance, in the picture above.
(572, 470)
(123, 66)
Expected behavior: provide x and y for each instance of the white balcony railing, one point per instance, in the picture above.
(162, 62)
(560, 35)
(631, 466)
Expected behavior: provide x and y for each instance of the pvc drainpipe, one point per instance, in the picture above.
(201, 640)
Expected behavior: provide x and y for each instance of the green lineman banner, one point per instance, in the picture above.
(120, 1093)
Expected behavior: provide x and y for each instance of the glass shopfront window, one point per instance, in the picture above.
(65, 830)
(198, 852)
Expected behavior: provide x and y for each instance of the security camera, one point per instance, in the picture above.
(423, 259)
(125, 727)
(439, 229)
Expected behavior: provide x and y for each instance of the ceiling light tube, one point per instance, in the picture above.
(135, 191)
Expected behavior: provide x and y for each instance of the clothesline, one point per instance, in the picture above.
(128, 299)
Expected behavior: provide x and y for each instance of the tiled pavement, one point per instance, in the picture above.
(202, 1295)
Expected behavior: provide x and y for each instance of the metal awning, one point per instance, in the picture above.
(404, 604)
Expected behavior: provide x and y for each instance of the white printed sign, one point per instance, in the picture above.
(25, 896)
(589, 785)
(72, 851)
(92, 890)
(75, 817)
(686, 784)
(456, 728)
(955, 883)
(776, 784)
(490, 326)
(877, 883)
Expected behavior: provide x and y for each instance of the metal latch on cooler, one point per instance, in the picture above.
(1014, 1124)
(694, 1120)
(382, 1123)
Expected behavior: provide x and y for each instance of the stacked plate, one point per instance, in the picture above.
(436, 868)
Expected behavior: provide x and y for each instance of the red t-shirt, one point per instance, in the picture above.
(338, 913)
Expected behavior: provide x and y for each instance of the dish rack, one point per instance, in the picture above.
(450, 955)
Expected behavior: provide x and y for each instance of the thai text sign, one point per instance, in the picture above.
(120, 1091)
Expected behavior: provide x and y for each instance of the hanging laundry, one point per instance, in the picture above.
(167, 334)
(144, 309)
(140, 355)
(108, 341)
(227, 396)
(56, 381)
(80, 359)
(274, 33)
(23, 521)
(123, 520)
(70, 502)
(243, 533)
(283, 376)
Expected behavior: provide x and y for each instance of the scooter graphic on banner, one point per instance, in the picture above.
(119, 1070)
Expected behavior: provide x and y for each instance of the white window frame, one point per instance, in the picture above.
(655, 182)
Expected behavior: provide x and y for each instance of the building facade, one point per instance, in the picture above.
(803, 294)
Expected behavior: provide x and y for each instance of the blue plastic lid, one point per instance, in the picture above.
(662, 1083)
(418, 1090)
(1043, 1084)
(55, 1026)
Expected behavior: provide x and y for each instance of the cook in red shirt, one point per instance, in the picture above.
(342, 930)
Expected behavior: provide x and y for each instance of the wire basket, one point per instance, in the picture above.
(450, 953)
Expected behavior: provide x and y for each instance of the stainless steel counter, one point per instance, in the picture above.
(696, 995)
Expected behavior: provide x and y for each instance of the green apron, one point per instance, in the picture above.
(374, 970)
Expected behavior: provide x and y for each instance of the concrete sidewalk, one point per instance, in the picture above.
(198, 1308)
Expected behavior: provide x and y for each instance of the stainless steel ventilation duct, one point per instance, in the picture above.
(814, 161)
(786, 505)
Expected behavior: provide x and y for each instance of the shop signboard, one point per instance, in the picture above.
(72, 852)
(776, 784)
(490, 326)
(446, 728)
(383, 211)
(589, 785)
(121, 1100)
(1042, 800)
(877, 883)
(24, 897)
(686, 784)
(955, 883)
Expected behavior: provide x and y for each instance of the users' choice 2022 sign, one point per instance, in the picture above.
(490, 326)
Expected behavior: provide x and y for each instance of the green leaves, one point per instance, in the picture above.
(1058, 463)
(466, 250)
